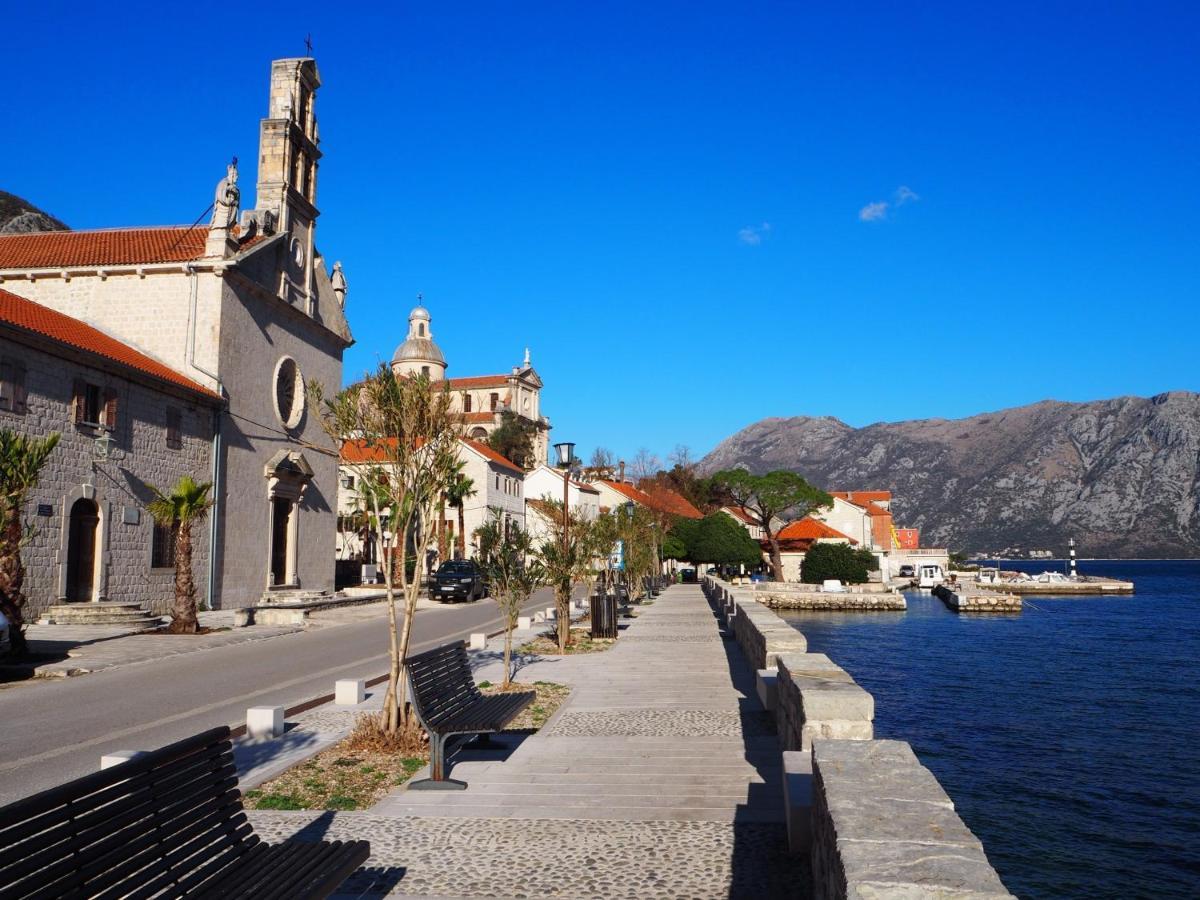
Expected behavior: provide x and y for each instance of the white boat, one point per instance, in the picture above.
(929, 575)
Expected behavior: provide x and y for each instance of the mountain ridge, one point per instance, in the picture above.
(1119, 475)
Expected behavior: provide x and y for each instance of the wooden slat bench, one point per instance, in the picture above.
(448, 703)
(168, 824)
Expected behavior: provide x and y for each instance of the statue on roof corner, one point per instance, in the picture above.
(339, 284)
(227, 200)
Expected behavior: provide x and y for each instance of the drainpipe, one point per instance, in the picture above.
(215, 512)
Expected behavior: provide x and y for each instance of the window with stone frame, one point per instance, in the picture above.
(495, 401)
(12, 385)
(466, 402)
(93, 405)
(174, 428)
(162, 547)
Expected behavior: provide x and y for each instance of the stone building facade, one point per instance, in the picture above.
(482, 400)
(250, 309)
(92, 538)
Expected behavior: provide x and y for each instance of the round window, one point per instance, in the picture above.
(289, 392)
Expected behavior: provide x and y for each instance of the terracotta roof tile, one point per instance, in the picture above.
(108, 247)
(626, 489)
(477, 381)
(486, 451)
(669, 501)
(34, 318)
(858, 498)
(810, 529)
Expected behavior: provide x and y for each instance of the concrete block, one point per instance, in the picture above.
(242, 617)
(551, 613)
(116, 757)
(349, 692)
(524, 623)
(797, 799)
(264, 722)
(478, 641)
(267, 616)
(539, 617)
(767, 684)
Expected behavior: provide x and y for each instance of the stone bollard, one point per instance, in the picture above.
(551, 613)
(539, 617)
(349, 692)
(524, 623)
(478, 641)
(108, 760)
(264, 722)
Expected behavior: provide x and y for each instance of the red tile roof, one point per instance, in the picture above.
(357, 451)
(873, 510)
(109, 247)
(477, 381)
(740, 515)
(489, 453)
(27, 316)
(858, 498)
(626, 489)
(668, 501)
(810, 529)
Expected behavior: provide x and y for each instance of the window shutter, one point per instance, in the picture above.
(174, 430)
(110, 409)
(18, 395)
(6, 385)
(78, 401)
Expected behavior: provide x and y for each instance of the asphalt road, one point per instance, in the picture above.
(54, 730)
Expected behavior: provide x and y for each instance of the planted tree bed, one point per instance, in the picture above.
(350, 776)
(581, 642)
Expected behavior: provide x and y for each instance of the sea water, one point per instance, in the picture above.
(1067, 735)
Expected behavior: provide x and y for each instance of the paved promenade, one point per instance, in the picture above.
(659, 777)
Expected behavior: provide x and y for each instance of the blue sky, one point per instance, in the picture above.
(677, 206)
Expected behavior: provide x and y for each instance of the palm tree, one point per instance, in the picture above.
(458, 491)
(21, 461)
(185, 504)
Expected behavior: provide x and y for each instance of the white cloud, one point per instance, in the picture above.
(878, 211)
(753, 235)
(873, 212)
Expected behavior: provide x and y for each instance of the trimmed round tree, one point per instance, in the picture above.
(826, 560)
(719, 540)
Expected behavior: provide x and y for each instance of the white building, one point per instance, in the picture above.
(546, 484)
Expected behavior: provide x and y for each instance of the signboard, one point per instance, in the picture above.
(616, 559)
(45, 509)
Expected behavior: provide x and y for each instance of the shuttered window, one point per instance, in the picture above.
(162, 551)
(93, 405)
(174, 428)
(12, 385)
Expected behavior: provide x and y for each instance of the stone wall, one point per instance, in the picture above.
(961, 602)
(883, 827)
(873, 601)
(875, 821)
(120, 485)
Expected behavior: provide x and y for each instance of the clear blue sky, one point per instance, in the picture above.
(672, 204)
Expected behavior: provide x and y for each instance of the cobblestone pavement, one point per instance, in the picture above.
(659, 777)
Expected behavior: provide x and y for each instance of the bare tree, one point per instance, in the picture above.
(399, 436)
(681, 456)
(645, 465)
(602, 458)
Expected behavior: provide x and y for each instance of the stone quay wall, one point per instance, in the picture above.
(874, 601)
(962, 602)
(874, 820)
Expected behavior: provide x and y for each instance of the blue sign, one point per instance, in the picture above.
(616, 559)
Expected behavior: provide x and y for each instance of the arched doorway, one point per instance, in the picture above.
(81, 550)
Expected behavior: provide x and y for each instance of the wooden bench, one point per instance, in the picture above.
(168, 824)
(448, 703)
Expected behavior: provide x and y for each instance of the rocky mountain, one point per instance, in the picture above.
(1120, 476)
(18, 215)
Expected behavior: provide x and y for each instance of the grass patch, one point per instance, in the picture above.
(550, 697)
(581, 642)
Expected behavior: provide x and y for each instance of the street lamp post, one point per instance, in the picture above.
(566, 457)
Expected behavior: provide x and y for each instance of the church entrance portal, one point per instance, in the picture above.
(281, 515)
(81, 550)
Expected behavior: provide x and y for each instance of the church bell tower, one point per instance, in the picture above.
(288, 156)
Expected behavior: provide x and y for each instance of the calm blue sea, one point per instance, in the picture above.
(1067, 735)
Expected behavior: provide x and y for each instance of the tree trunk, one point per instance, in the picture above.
(12, 579)
(183, 616)
(508, 651)
(462, 533)
(562, 607)
(443, 544)
(776, 560)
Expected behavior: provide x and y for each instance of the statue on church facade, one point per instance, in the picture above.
(227, 200)
(338, 278)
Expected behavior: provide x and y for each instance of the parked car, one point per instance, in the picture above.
(687, 576)
(907, 572)
(758, 576)
(5, 636)
(458, 579)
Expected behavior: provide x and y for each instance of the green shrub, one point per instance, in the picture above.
(841, 561)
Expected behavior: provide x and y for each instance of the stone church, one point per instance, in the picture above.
(244, 312)
(481, 399)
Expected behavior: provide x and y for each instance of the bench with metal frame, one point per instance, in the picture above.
(449, 704)
(167, 824)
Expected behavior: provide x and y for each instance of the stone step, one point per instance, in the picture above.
(103, 613)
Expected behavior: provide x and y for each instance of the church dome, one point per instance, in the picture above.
(419, 352)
